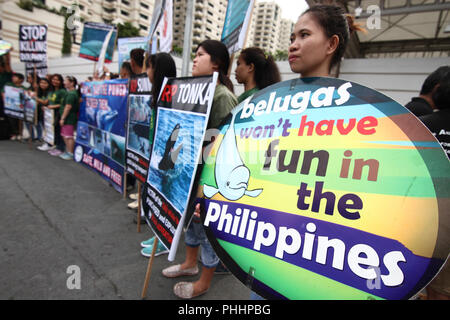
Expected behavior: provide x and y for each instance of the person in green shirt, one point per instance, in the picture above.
(255, 70)
(44, 87)
(68, 116)
(55, 100)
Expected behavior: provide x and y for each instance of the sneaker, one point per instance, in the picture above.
(133, 196)
(13, 137)
(46, 147)
(148, 243)
(55, 152)
(133, 205)
(66, 156)
(161, 249)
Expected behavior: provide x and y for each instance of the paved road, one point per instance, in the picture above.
(55, 214)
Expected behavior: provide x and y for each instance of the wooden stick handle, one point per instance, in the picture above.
(139, 208)
(149, 269)
(125, 183)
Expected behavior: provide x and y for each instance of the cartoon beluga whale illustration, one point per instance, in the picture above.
(231, 174)
(170, 156)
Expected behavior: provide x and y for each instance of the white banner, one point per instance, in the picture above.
(49, 128)
(166, 28)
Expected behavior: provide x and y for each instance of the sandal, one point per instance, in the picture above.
(175, 271)
(185, 290)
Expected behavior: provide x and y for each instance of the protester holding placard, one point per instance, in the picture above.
(30, 114)
(42, 101)
(255, 70)
(318, 42)
(211, 56)
(158, 66)
(68, 113)
(15, 123)
(55, 100)
(276, 237)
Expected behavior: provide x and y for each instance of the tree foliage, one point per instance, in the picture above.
(67, 41)
(127, 30)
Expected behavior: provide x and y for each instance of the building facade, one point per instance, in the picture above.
(137, 12)
(270, 31)
(284, 37)
(209, 16)
(267, 29)
(267, 26)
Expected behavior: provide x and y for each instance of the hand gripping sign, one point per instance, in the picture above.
(324, 189)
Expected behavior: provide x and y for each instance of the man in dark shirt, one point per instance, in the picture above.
(439, 122)
(424, 104)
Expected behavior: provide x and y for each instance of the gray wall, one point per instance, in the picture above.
(400, 79)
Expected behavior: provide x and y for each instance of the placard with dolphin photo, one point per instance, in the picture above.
(100, 142)
(182, 116)
(140, 126)
(14, 100)
(174, 154)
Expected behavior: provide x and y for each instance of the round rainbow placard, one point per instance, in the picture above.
(5, 47)
(321, 188)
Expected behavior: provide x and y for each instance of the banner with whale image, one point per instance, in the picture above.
(322, 188)
(14, 102)
(141, 122)
(236, 24)
(92, 41)
(182, 115)
(100, 141)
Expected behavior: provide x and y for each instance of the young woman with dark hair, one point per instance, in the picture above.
(255, 70)
(68, 116)
(211, 56)
(158, 66)
(44, 88)
(319, 40)
(318, 43)
(55, 100)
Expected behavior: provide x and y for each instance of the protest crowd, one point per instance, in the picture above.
(312, 53)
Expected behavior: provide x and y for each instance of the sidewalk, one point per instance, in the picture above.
(55, 214)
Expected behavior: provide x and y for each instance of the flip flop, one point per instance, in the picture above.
(175, 271)
(185, 290)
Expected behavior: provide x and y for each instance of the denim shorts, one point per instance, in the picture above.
(195, 236)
